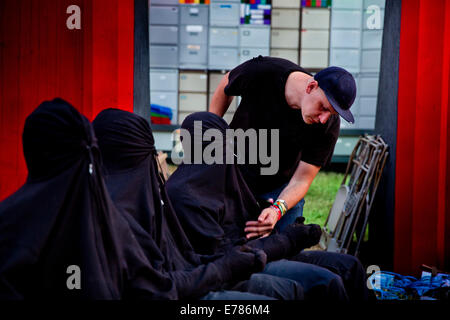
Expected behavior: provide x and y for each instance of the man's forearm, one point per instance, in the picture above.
(299, 184)
(294, 192)
(220, 101)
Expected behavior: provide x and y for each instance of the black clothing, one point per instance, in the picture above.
(261, 84)
(63, 216)
(132, 178)
(347, 266)
(213, 204)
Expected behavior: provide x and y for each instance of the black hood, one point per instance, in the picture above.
(215, 194)
(132, 178)
(63, 216)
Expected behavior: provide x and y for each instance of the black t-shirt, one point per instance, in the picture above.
(261, 84)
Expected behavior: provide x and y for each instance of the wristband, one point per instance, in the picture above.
(279, 208)
(278, 211)
(281, 204)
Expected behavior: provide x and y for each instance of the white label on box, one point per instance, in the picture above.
(193, 11)
(193, 47)
(194, 28)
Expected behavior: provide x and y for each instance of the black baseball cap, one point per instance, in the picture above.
(340, 88)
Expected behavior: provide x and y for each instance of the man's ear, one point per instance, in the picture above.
(312, 84)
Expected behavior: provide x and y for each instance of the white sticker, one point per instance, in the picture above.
(194, 28)
(194, 11)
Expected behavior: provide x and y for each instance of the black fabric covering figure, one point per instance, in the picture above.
(213, 202)
(132, 178)
(63, 216)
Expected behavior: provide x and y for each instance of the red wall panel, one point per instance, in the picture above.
(40, 58)
(422, 150)
(105, 61)
(405, 146)
(444, 186)
(125, 52)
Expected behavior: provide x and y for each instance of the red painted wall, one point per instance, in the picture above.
(422, 196)
(40, 58)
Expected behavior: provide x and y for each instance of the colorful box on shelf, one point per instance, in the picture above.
(158, 119)
(316, 3)
(256, 2)
(160, 114)
(257, 12)
(194, 1)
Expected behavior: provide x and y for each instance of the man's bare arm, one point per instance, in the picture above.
(299, 183)
(292, 194)
(220, 102)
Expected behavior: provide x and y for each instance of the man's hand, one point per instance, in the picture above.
(265, 224)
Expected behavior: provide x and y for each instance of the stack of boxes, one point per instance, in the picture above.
(193, 93)
(285, 29)
(372, 35)
(194, 36)
(256, 12)
(345, 46)
(164, 58)
(254, 31)
(346, 23)
(356, 37)
(223, 34)
(164, 91)
(193, 55)
(315, 38)
(356, 46)
(164, 33)
(194, 42)
(253, 41)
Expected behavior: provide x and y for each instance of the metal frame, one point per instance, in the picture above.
(362, 176)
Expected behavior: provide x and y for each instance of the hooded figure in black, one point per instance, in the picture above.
(213, 203)
(132, 178)
(60, 235)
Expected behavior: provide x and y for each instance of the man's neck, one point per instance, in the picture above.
(295, 87)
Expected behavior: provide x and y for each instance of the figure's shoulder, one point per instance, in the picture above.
(279, 66)
(275, 62)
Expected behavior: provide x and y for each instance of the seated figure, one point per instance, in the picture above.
(213, 204)
(61, 237)
(131, 175)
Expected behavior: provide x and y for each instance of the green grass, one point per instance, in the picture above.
(320, 197)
